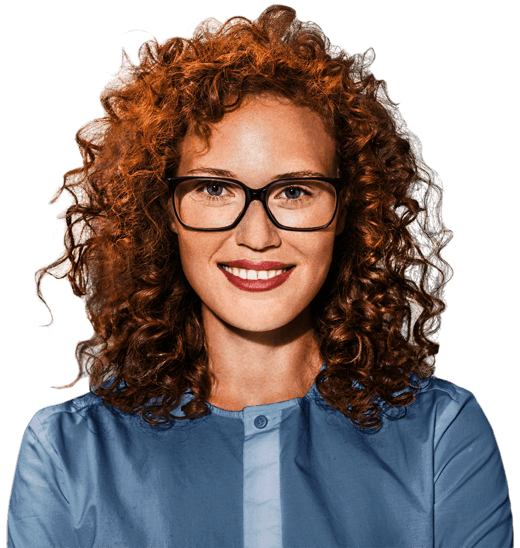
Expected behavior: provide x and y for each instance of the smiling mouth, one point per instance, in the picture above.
(246, 274)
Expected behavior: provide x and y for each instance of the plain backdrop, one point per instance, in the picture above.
(451, 66)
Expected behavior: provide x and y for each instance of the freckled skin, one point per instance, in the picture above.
(260, 345)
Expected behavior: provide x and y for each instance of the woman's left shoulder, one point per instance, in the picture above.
(449, 407)
(444, 391)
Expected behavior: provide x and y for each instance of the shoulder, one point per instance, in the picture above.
(68, 415)
(435, 397)
(88, 409)
(87, 419)
(444, 396)
(452, 411)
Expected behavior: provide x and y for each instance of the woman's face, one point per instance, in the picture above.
(263, 139)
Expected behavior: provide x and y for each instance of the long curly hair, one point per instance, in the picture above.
(383, 296)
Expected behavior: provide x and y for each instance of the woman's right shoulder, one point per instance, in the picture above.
(67, 415)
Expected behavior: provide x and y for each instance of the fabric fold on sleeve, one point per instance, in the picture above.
(38, 509)
(471, 498)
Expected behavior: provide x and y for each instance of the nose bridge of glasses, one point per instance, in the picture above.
(256, 194)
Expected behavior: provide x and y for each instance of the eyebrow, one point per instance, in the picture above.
(288, 175)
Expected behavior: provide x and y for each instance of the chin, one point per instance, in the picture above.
(259, 325)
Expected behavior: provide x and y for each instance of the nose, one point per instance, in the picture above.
(256, 230)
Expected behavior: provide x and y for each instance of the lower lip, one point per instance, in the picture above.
(257, 285)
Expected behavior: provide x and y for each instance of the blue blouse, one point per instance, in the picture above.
(292, 474)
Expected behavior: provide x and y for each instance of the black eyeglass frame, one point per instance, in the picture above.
(256, 194)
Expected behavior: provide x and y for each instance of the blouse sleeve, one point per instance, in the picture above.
(38, 509)
(471, 500)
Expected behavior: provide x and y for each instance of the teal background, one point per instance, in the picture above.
(450, 65)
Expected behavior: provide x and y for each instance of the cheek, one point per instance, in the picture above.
(324, 249)
(196, 251)
(188, 255)
(320, 248)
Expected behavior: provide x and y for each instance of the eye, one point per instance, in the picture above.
(213, 189)
(293, 192)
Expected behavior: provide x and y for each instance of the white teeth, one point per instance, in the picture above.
(253, 274)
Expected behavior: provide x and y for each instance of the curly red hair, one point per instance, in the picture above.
(123, 257)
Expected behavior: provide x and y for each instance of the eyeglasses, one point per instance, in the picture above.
(219, 203)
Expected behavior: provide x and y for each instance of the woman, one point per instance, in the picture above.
(261, 370)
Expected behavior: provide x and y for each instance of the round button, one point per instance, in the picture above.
(261, 421)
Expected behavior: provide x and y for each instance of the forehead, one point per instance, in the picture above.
(264, 130)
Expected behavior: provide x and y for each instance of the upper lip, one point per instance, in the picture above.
(263, 265)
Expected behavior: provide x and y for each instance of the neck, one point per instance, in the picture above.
(257, 368)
